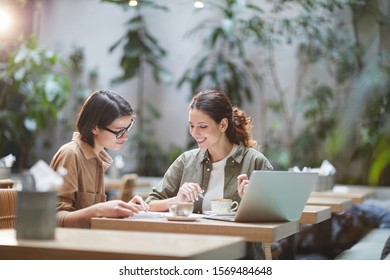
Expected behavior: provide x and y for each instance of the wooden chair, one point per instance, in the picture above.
(6, 183)
(7, 208)
(127, 186)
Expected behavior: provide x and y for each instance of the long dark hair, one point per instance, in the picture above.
(100, 109)
(217, 105)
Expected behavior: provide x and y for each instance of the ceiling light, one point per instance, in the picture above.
(133, 3)
(5, 20)
(198, 4)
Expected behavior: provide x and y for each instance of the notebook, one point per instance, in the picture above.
(273, 196)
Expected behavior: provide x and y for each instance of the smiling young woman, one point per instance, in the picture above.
(218, 168)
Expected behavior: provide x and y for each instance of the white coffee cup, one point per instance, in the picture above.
(223, 205)
(183, 209)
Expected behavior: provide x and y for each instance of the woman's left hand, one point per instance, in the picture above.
(242, 183)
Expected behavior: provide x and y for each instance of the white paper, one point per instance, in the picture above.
(46, 179)
(7, 161)
(149, 215)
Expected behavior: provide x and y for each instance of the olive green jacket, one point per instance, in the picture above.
(195, 166)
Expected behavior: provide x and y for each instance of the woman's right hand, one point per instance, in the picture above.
(189, 192)
(140, 203)
(117, 209)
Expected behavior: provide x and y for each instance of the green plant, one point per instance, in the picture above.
(142, 52)
(345, 118)
(223, 62)
(32, 92)
(304, 112)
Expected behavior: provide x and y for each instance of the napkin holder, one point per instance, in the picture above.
(5, 172)
(36, 215)
(324, 183)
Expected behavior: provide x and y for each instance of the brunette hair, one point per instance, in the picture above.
(99, 110)
(217, 105)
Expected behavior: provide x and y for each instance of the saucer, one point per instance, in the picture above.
(181, 218)
(211, 213)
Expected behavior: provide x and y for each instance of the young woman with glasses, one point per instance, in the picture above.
(103, 123)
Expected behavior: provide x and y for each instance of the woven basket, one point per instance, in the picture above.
(7, 208)
(7, 221)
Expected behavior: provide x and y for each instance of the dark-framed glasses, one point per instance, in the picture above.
(120, 133)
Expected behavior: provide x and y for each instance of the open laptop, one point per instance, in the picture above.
(273, 196)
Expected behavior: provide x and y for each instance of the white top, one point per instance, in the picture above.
(217, 181)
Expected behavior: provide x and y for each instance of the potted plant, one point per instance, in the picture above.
(32, 92)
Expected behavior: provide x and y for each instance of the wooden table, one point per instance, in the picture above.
(252, 232)
(366, 191)
(355, 196)
(314, 214)
(336, 204)
(109, 244)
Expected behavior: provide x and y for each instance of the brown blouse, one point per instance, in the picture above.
(84, 182)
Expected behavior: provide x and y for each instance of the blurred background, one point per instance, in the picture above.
(314, 76)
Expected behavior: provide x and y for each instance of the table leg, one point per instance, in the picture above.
(267, 251)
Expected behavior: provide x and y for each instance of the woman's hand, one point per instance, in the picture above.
(139, 203)
(116, 209)
(189, 192)
(242, 184)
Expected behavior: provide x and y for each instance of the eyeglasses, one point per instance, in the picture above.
(120, 133)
